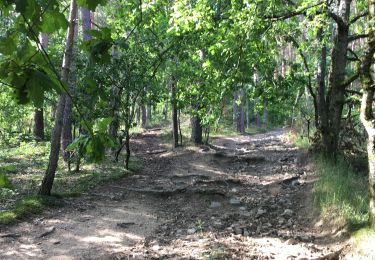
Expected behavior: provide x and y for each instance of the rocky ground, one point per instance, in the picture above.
(244, 197)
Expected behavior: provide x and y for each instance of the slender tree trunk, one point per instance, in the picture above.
(39, 112)
(144, 115)
(265, 111)
(241, 114)
(367, 115)
(247, 113)
(235, 109)
(47, 183)
(138, 115)
(174, 113)
(166, 109)
(149, 113)
(115, 101)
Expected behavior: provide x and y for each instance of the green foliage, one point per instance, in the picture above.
(5, 182)
(341, 192)
(91, 4)
(26, 208)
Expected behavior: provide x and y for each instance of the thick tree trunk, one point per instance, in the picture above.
(367, 115)
(336, 93)
(174, 113)
(196, 130)
(39, 124)
(47, 183)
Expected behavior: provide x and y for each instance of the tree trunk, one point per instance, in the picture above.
(115, 100)
(174, 113)
(144, 115)
(39, 112)
(241, 115)
(322, 117)
(367, 116)
(166, 109)
(196, 130)
(47, 183)
(149, 113)
(235, 109)
(265, 111)
(39, 124)
(86, 23)
(336, 93)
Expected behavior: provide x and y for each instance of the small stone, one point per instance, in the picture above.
(234, 190)
(242, 208)
(191, 231)
(238, 231)
(215, 204)
(246, 233)
(260, 212)
(234, 201)
(155, 247)
(281, 221)
(291, 241)
(55, 241)
(288, 212)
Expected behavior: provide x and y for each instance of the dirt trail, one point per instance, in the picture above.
(246, 197)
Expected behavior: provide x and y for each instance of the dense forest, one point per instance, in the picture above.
(180, 105)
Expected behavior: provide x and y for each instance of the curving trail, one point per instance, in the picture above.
(244, 197)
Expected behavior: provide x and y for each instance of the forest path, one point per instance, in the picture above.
(244, 197)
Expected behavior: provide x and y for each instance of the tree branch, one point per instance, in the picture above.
(356, 18)
(350, 80)
(357, 36)
(278, 17)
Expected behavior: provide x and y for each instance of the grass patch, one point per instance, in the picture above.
(341, 192)
(27, 207)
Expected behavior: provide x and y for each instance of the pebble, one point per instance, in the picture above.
(191, 231)
(260, 212)
(288, 212)
(234, 201)
(215, 204)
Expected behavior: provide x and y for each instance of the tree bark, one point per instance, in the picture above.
(115, 101)
(144, 115)
(196, 130)
(174, 113)
(39, 124)
(336, 92)
(47, 183)
(39, 112)
(149, 112)
(367, 116)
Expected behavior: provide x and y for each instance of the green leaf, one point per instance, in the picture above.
(35, 88)
(53, 21)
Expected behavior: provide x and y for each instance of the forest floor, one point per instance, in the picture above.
(244, 197)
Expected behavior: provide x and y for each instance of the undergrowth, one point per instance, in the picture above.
(341, 192)
(21, 172)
